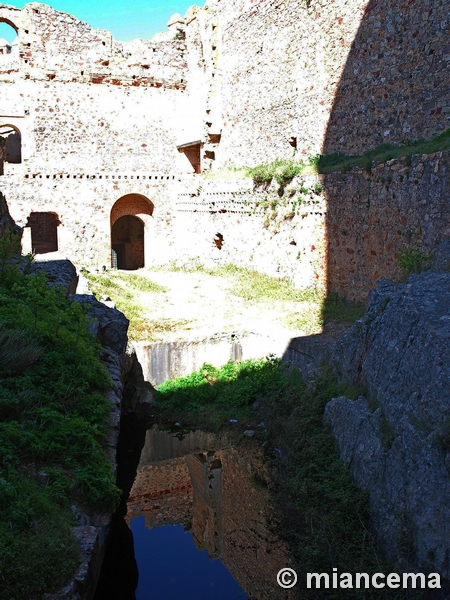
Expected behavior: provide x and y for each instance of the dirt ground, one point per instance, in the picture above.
(198, 304)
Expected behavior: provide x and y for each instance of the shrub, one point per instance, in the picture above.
(413, 260)
(53, 420)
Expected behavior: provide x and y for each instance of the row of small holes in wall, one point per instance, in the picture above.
(218, 194)
(60, 176)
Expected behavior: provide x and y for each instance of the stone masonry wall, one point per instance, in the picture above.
(84, 128)
(83, 205)
(339, 76)
(258, 80)
(231, 222)
(342, 239)
(371, 218)
(54, 45)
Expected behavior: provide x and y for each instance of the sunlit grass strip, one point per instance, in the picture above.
(125, 290)
(213, 395)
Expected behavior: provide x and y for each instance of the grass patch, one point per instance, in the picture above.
(412, 260)
(126, 290)
(253, 285)
(213, 396)
(337, 309)
(53, 422)
(283, 171)
(228, 173)
(308, 319)
(326, 518)
(382, 153)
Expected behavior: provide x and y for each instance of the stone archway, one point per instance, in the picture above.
(131, 222)
(13, 143)
(127, 242)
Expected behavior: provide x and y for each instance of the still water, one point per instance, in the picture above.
(202, 526)
(168, 561)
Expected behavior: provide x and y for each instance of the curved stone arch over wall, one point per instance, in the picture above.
(5, 18)
(131, 231)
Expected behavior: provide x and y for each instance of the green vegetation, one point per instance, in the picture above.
(253, 285)
(300, 309)
(412, 260)
(326, 518)
(126, 290)
(384, 152)
(53, 422)
(212, 397)
(284, 170)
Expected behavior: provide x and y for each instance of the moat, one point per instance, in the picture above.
(199, 522)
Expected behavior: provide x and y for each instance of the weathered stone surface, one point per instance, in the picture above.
(400, 452)
(59, 272)
(7, 224)
(250, 83)
(441, 258)
(109, 325)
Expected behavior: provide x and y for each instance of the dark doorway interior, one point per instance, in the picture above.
(44, 232)
(13, 139)
(13, 148)
(127, 238)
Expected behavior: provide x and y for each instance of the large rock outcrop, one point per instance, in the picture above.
(396, 439)
(7, 224)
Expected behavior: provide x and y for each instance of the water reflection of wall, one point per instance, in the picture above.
(220, 493)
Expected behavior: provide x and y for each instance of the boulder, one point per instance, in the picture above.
(59, 272)
(7, 224)
(397, 443)
(108, 325)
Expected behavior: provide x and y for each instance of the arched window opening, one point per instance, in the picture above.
(130, 226)
(9, 43)
(8, 34)
(11, 143)
(44, 232)
(128, 243)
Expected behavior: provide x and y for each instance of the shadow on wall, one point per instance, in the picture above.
(394, 88)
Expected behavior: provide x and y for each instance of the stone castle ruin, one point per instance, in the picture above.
(114, 153)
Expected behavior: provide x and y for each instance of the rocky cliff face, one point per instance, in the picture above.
(7, 225)
(396, 439)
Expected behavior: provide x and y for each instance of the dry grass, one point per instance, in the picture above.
(174, 301)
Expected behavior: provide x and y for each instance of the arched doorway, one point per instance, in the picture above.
(131, 218)
(127, 240)
(13, 144)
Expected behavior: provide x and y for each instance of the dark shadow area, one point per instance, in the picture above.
(127, 240)
(395, 83)
(321, 514)
(13, 149)
(394, 90)
(119, 575)
(44, 232)
(129, 219)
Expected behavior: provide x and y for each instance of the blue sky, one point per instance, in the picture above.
(126, 21)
